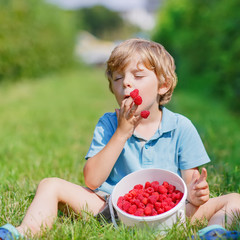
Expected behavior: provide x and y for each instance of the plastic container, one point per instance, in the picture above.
(162, 221)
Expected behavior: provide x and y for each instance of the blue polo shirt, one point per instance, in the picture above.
(175, 146)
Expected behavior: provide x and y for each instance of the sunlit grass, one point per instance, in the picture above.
(46, 126)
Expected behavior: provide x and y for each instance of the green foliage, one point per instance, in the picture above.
(35, 37)
(203, 37)
(103, 23)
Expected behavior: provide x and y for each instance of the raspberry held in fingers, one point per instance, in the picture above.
(138, 100)
(134, 93)
(145, 114)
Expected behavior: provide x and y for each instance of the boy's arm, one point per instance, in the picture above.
(98, 167)
(197, 186)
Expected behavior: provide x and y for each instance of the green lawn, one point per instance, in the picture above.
(46, 126)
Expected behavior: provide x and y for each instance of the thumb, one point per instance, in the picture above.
(195, 176)
(203, 175)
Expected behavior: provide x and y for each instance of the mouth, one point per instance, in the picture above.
(126, 96)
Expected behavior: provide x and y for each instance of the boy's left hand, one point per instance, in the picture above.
(198, 189)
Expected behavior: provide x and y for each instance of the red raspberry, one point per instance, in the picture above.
(165, 184)
(132, 209)
(140, 197)
(120, 205)
(162, 189)
(145, 201)
(134, 93)
(155, 185)
(157, 205)
(160, 211)
(126, 205)
(156, 194)
(167, 208)
(150, 190)
(138, 186)
(154, 212)
(150, 205)
(152, 199)
(147, 184)
(171, 188)
(136, 202)
(148, 211)
(145, 194)
(145, 113)
(138, 100)
(139, 212)
(128, 196)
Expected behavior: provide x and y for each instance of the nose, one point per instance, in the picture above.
(127, 82)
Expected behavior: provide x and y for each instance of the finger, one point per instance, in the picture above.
(126, 105)
(195, 176)
(132, 110)
(203, 175)
(202, 192)
(201, 185)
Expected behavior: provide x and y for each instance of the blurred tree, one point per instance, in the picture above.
(103, 23)
(35, 38)
(204, 38)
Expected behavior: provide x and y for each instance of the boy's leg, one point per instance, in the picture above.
(52, 191)
(219, 210)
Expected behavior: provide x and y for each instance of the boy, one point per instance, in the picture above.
(124, 142)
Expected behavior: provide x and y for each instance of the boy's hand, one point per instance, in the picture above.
(127, 118)
(198, 189)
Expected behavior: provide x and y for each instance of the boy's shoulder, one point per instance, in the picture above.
(174, 118)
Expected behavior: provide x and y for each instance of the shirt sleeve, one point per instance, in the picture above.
(101, 136)
(191, 151)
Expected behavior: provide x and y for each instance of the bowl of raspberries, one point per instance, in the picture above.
(155, 197)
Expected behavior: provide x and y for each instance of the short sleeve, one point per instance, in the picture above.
(103, 132)
(191, 151)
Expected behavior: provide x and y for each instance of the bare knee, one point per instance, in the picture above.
(233, 200)
(49, 186)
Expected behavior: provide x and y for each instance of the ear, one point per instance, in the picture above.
(163, 88)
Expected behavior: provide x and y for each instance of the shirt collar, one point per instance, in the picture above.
(168, 124)
(169, 120)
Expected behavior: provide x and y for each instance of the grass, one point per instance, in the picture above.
(46, 126)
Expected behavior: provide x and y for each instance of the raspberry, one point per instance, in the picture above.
(152, 199)
(162, 189)
(128, 196)
(149, 190)
(155, 185)
(139, 212)
(165, 184)
(132, 209)
(145, 201)
(147, 211)
(157, 205)
(145, 114)
(138, 100)
(126, 205)
(147, 184)
(154, 212)
(134, 93)
(138, 186)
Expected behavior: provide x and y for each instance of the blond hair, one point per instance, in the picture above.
(154, 57)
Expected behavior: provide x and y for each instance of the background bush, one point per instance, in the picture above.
(204, 38)
(35, 37)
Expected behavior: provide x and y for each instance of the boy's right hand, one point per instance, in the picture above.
(127, 118)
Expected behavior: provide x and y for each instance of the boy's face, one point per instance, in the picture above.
(136, 76)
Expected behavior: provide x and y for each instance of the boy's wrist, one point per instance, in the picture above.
(121, 135)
